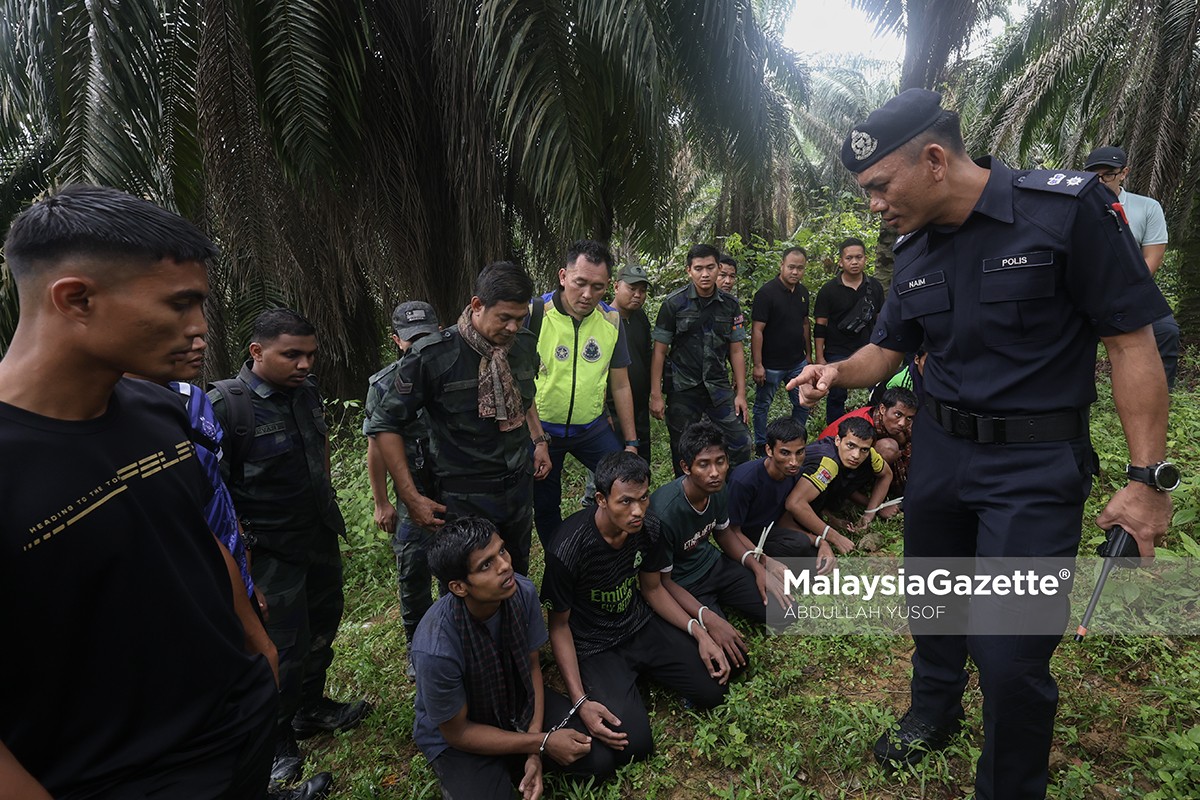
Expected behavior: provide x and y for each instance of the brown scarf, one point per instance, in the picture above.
(499, 398)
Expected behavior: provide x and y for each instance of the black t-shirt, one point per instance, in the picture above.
(784, 313)
(836, 301)
(122, 649)
(599, 585)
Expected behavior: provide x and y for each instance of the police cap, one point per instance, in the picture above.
(1106, 157)
(890, 126)
(413, 318)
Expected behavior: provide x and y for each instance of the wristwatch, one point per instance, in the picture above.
(1161, 477)
(545, 437)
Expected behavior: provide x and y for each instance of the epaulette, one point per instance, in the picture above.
(384, 373)
(903, 239)
(429, 340)
(681, 290)
(1066, 182)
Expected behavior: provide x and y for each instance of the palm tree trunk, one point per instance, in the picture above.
(1188, 314)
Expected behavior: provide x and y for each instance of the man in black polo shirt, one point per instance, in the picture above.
(844, 314)
(779, 339)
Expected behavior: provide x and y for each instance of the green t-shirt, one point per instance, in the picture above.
(687, 533)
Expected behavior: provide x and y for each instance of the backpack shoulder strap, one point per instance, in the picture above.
(239, 434)
(537, 310)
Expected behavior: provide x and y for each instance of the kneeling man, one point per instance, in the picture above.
(605, 632)
(480, 700)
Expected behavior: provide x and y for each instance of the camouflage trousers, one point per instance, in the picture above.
(510, 508)
(686, 407)
(304, 607)
(410, 544)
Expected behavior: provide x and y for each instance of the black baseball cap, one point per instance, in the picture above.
(1107, 157)
(413, 318)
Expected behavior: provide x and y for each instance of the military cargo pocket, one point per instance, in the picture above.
(1017, 304)
(460, 396)
(270, 441)
(723, 325)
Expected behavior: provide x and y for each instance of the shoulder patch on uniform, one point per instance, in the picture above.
(1066, 182)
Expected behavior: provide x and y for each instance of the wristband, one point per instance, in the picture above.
(700, 617)
(546, 738)
(633, 442)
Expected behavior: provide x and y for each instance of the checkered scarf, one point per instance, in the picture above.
(498, 394)
(500, 691)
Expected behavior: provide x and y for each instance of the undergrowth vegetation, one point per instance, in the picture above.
(800, 721)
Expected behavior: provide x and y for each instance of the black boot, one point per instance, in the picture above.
(288, 760)
(314, 788)
(328, 715)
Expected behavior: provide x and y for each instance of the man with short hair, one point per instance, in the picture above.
(758, 493)
(1148, 225)
(779, 339)
(697, 329)
(629, 298)
(483, 716)
(279, 478)
(1009, 278)
(892, 418)
(582, 346)
(411, 320)
(612, 620)
(834, 471)
(475, 382)
(727, 272)
(711, 568)
(844, 316)
(136, 665)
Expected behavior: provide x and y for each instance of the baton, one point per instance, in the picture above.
(1120, 545)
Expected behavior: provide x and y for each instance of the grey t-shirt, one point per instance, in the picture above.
(1146, 219)
(438, 659)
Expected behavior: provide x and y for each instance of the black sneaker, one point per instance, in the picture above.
(328, 715)
(315, 788)
(913, 738)
(286, 766)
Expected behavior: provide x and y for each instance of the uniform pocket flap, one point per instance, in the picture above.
(925, 300)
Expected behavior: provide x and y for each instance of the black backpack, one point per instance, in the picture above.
(239, 433)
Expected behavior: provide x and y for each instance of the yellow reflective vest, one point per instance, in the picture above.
(573, 378)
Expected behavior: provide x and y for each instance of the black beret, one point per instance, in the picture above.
(890, 126)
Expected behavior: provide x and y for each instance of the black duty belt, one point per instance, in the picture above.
(1058, 426)
(496, 485)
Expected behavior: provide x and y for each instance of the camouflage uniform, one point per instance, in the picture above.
(288, 509)
(410, 542)
(479, 470)
(696, 383)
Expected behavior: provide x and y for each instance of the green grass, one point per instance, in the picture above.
(799, 723)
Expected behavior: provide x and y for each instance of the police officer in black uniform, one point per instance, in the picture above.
(1008, 276)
